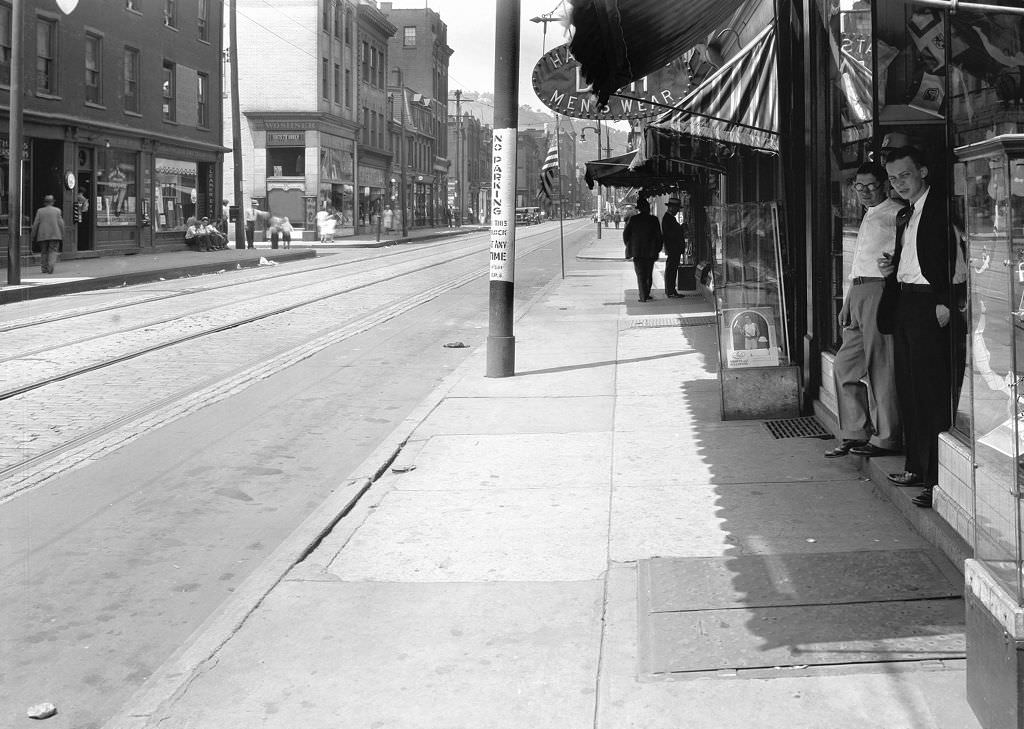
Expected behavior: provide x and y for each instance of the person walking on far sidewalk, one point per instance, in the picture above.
(48, 234)
(675, 244)
(916, 308)
(250, 226)
(869, 420)
(642, 236)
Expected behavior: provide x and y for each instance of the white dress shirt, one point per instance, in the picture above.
(910, 266)
(876, 235)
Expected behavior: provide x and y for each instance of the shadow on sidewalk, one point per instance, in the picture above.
(813, 570)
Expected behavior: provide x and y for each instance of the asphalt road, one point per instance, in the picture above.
(108, 568)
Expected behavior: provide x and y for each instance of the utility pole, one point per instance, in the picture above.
(401, 151)
(236, 130)
(14, 143)
(458, 150)
(501, 344)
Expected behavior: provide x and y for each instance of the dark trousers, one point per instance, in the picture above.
(274, 238)
(671, 272)
(922, 358)
(250, 234)
(644, 268)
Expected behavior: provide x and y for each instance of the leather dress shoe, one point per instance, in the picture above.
(843, 448)
(906, 478)
(923, 499)
(870, 449)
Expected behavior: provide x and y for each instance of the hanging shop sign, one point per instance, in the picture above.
(558, 83)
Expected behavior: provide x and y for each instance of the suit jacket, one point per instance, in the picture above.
(48, 223)
(642, 236)
(936, 253)
(672, 233)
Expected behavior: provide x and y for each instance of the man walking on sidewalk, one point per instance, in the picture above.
(48, 234)
(675, 244)
(642, 237)
(869, 420)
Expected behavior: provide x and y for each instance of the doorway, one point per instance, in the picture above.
(83, 228)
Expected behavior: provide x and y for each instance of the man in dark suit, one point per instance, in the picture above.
(916, 307)
(675, 244)
(642, 237)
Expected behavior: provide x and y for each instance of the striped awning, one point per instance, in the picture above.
(619, 41)
(737, 104)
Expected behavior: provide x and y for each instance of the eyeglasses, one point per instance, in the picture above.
(870, 187)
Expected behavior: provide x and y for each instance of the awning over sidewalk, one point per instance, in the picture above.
(737, 104)
(655, 176)
(619, 41)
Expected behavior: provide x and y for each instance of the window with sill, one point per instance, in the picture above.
(202, 100)
(203, 20)
(169, 92)
(171, 13)
(409, 36)
(93, 68)
(46, 56)
(131, 79)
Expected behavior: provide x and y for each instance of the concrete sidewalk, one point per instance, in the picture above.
(92, 274)
(586, 544)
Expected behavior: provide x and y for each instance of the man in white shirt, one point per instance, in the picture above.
(869, 419)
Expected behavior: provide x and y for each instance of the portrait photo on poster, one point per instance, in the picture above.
(749, 337)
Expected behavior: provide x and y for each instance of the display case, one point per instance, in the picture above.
(989, 179)
(990, 176)
(758, 380)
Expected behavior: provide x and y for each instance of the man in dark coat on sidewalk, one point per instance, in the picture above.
(675, 244)
(642, 236)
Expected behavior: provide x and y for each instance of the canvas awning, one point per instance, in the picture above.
(655, 175)
(619, 41)
(737, 104)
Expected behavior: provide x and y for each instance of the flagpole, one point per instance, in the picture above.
(561, 215)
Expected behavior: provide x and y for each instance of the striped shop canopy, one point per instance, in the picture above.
(737, 104)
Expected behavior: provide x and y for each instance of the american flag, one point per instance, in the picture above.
(549, 173)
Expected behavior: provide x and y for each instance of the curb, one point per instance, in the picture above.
(173, 677)
(28, 293)
(399, 241)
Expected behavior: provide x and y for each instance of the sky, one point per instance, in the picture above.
(471, 25)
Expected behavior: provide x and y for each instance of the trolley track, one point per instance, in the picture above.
(42, 454)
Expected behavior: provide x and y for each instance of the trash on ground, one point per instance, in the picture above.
(456, 345)
(404, 468)
(41, 711)
(265, 262)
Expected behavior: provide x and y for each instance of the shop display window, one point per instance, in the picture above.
(749, 295)
(26, 190)
(116, 187)
(177, 194)
(995, 262)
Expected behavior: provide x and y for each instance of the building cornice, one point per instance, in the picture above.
(376, 19)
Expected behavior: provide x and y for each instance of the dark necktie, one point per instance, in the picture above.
(903, 216)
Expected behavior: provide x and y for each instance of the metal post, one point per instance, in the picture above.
(236, 130)
(401, 151)
(501, 344)
(14, 140)
(458, 150)
(600, 187)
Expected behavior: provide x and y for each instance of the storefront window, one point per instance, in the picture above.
(5, 196)
(177, 194)
(850, 102)
(286, 161)
(116, 187)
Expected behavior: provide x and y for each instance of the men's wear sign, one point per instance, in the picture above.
(559, 84)
(503, 205)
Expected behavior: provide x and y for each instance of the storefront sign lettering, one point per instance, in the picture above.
(559, 84)
(286, 139)
(503, 204)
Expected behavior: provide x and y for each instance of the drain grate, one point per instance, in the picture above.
(808, 427)
(671, 320)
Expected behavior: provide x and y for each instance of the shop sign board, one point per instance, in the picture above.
(558, 82)
(503, 205)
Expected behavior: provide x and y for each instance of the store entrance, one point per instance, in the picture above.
(83, 227)
(47, 177)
